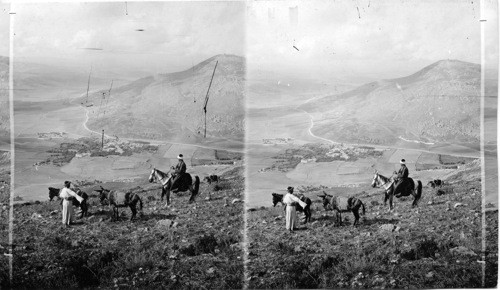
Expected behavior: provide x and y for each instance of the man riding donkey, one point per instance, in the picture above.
(179, 171)
(401, 179)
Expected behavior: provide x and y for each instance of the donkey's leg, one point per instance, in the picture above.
(191, 190)
(339, 217)
(415, 198)
(167, 192)
(134, 211)
(356, 216)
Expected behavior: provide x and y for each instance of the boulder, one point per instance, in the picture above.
(167, 223)
(387, 227)
(36, 215)
(461, 250)
(236, 200)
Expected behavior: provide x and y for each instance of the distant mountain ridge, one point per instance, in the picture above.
(170, 106)
(440, 103)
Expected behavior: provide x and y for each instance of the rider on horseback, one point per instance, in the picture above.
(179, 170)
(401, 179)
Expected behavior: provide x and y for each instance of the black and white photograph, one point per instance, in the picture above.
(367, 146)
(249, 144)
(129, 136)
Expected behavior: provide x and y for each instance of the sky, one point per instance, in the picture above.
(154, 37)
(377, 39)
(333, 38)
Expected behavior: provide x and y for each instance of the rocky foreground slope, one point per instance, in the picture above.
(185, 246)
(436, 245)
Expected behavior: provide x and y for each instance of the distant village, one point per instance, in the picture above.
(275, 141)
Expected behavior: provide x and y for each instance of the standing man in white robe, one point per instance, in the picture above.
(290, 200)
(67, 210)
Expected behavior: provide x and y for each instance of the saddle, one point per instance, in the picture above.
(408, 187)
(182, 183)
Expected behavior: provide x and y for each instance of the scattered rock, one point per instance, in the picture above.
(430, 202)
(164, 223)
(458, 204)
(36, 215)
(175, 224)
(236, 200)
(211, 270)
(278, 218)
(429, 275)
(252, 209)
(298, 249)
(461, 250)
(75, 243)
(387, 227)
(54, 212)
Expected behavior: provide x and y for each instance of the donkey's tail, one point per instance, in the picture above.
(196, 185)
(419, 190)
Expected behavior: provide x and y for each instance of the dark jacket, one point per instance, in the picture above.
(180, 168)
(403, 172)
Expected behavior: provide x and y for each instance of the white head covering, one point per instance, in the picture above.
(180, 157)
(402, 161)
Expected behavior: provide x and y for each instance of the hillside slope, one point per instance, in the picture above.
(435, 245)
(185, 246)
(170, 106)
(440, 103)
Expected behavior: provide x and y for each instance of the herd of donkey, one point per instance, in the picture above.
(339, 204)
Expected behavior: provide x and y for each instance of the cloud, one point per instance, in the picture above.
(386, 37)
(173, 33)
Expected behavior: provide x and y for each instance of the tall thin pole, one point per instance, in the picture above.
(109, 96)
(206, 99)
(88, 86)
